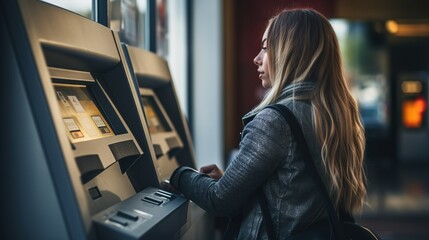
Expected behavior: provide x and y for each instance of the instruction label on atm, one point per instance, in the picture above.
(100, 124)
(63, 99)
(73, 128)
(76, 104)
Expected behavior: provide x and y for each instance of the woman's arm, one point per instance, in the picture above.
(263, 146)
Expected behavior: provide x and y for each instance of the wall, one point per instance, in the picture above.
(207, 82)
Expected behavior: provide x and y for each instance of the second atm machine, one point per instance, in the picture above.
(168, 128)
(100, 173)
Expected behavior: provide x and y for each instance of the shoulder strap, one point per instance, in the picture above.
(266, 215)
(303, 147)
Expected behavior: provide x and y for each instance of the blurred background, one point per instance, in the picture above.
(210, 46)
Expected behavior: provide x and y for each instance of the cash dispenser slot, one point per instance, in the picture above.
(159, 197)
(152, 200)
(123, 218)
(127, 215)
(164, 194)
(118, 220)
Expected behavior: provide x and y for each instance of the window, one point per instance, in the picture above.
(128, 18)
(81, 7)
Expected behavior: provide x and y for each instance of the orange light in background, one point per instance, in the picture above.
(408, 28)
(411, 87)
(392, 26)
(412, 112)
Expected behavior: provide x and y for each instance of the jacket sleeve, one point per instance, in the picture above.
(265, 143)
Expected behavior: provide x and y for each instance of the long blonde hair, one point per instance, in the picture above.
(302, 46)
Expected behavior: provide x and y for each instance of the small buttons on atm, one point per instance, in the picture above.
(123, 218)
(164, 194)
(118, 220)
(127, 215)
(152, 200)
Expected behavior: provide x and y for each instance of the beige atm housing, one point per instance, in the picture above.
(72, 71)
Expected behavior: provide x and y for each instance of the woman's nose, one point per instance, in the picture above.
(257, 60)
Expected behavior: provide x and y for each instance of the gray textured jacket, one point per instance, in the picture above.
(267, 157)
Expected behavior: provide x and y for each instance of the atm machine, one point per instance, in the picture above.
(74, 169)
(168, 128)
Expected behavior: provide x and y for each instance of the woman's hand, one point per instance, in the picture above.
(213, 171)
(165, 185)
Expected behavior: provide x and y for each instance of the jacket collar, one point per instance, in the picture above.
(288, 94)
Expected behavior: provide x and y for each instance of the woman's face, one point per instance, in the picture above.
(261, 60)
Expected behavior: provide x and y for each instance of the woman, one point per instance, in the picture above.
(300, 65)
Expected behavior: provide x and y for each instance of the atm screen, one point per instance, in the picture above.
(80, 114)
(155, 119)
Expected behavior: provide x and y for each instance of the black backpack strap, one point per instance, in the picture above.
(231, 231)
(266, 215)
(303, 147)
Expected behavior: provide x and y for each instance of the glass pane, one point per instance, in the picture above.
(81, 7)
(162, 28)
(365, 58)
(127, 17)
